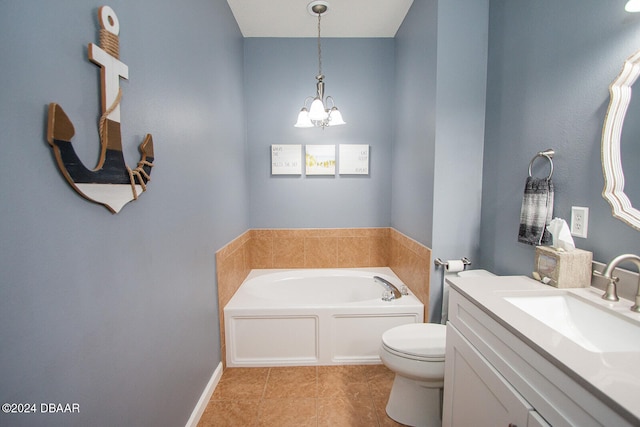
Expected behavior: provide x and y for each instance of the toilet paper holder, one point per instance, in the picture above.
(440, 263)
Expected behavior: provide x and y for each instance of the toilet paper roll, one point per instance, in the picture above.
(454, 266)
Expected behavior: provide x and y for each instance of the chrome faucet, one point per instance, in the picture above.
(610, 294)
(390, 287)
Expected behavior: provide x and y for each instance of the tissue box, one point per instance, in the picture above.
(564, 269)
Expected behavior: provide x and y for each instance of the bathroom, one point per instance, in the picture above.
(119, 313)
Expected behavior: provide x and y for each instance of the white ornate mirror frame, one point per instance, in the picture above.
(613, 192)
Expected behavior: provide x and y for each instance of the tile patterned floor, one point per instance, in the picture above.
(348, 395)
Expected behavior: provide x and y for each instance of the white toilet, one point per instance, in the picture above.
(415, 352)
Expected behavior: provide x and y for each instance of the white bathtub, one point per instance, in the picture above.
(313, 317)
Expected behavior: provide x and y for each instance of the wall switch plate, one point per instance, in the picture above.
(579, 221)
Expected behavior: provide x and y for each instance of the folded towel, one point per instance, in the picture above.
(536, 213)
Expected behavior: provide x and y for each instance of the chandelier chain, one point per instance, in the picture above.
(319, 47)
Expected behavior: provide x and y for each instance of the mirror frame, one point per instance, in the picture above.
(613, 192)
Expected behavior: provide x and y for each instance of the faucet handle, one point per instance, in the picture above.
(614, 279)
(387, 295)
(610, 293)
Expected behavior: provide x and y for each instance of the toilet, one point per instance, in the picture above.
(415, 352)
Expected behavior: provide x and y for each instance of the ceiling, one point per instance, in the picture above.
(345, 18)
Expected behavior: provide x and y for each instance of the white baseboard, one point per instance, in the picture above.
(205, 397)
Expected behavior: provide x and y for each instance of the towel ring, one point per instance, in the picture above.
(548, 154)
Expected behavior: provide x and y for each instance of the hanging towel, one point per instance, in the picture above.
(537, 211)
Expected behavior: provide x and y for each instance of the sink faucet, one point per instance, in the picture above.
(610, 294)
(389, 286)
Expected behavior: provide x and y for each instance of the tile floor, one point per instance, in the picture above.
(348, 395)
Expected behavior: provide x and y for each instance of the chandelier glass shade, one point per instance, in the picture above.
(632, 6)
(317, 110)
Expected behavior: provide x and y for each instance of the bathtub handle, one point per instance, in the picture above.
(389, 286)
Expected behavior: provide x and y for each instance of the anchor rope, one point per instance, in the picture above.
(141, 175)
(110, 43)
(103, 118)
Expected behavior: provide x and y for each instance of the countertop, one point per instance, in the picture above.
(614, 377)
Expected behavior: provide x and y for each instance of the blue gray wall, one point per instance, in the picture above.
(438, 145)
(550, 66)
(359, 75)
(117, 312)
(414, 137)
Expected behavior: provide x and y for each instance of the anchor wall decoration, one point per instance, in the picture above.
(111, 183)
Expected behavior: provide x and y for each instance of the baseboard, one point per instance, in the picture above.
(205, 397)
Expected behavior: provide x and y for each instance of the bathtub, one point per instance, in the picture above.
(313, 317)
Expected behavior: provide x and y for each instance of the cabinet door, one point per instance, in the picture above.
(536, 420)
(475, 394)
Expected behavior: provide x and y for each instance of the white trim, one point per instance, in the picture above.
(205, 397)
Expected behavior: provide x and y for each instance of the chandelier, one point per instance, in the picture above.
(322, 111)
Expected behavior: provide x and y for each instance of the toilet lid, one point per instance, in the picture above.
(417, 339)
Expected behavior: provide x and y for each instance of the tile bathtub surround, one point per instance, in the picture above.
(321, 248)
(411, 262)
(232, 266)
(349, 395)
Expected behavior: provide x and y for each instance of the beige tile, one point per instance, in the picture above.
(322, 232)
(288, 252)
(245, 375)
(378, 372)
(241, 384)
(261, 233)
(288, 412)
(230, 414)
(347, 412)
(341, 389)
(261, 252)
(347, 381)
(320, 252)
(353, 251)
(292, 373)
(379, 252)
(288, 233)
(346, 373)
(343, 398)
(291, 382)
(233, 245)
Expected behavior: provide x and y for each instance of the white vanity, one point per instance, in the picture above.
(520, 353)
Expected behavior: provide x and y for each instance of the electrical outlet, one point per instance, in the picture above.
(579, 221)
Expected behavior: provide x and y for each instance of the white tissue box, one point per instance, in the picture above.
(564, 269)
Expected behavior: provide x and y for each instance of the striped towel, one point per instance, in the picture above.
(537, 211)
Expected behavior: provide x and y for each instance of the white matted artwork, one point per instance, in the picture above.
(286, 159)
(320, 159)
(354, 159)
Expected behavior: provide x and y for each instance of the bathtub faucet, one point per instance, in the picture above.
(395, 293)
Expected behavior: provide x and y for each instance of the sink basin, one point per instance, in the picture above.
(593, 327)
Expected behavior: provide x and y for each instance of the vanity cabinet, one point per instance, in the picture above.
(476, 394)
(495, 378)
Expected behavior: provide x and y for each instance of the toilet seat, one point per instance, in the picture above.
(417, 341)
